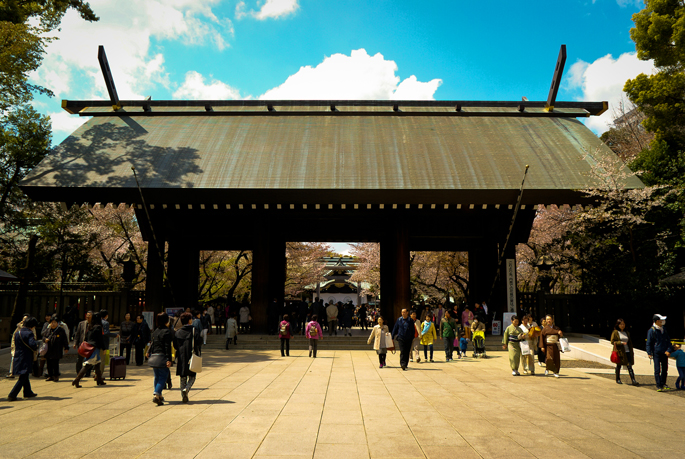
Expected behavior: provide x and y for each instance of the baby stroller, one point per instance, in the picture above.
(478, 341)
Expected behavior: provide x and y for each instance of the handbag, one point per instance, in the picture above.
(563, 345)
(195, 364)
(43, 349)
(614, 356)
(157, 361)
(85, 349)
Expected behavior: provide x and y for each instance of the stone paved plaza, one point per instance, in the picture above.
(251, 404)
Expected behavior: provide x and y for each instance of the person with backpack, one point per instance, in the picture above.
(314, 333)
(428, 335)
(448, 328)
(284, 335)
(25, 347)
(159, 356)
(658, 349)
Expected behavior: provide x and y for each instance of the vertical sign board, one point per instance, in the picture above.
(511, 285)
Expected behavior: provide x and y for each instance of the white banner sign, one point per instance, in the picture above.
(511, 285)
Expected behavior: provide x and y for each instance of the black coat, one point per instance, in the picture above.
(57, 343)
(24, 347)
(141, 334)
(183, 345)
(161, 342)
(95, 338)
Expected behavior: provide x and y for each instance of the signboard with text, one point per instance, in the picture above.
(511, 284)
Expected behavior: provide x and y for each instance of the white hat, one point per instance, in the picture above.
(658, 317)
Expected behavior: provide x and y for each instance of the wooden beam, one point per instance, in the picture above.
(556, 79)
(109, 81)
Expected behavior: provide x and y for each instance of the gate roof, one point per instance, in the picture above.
(301, 147)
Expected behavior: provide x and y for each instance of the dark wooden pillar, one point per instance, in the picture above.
(260, 280)
(184, 273)
(482, 272)
(395, 290)
(154, 280)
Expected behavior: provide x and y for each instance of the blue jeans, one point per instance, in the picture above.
(660, 369)
(681, 378)
(161, 376)
(425, 351)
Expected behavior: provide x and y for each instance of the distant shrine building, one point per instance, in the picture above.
(338, 287)
(253, 175)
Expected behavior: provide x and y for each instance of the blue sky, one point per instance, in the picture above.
(379, 49)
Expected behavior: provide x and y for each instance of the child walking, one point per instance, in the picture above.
(314, 334)
(284, 334)
(679, 355)
(378, 336)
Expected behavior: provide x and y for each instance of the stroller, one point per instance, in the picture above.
(478, 341)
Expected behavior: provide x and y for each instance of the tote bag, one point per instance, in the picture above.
(563, 345)
(195, 364)
(389, 344)
(525, 348)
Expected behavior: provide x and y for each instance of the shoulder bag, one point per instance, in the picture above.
(85, 350)
(195, 364)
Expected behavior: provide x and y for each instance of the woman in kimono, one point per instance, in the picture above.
(512, 336)
(549, 344)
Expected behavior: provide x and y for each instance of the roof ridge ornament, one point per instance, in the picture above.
(556, 79)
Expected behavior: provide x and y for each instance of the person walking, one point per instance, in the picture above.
(186, 342)
(448, 332)
(378, 333)
(25, 347)
(414, 353)
(244, 313)
(403, 332)
(549, 343)
(126, 337)
(284, 335)
(159, 356)
(332, 315)
(141, 336)
(347, 313)
(658, 349)
(314, 333)
(361, 314)
(512, 336)
(532, 332)
(231, 330)
(210, 317)
(206, 324)
(466, 320)
(95, 338)
(623, 346)
(58, 344)
(79, 337)
(428, 336)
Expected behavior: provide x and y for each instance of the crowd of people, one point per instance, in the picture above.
(179, 341)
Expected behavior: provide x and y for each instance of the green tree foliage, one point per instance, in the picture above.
(22, 44)
(659, 34)
(24, 141)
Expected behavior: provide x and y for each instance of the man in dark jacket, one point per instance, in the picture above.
(403, 332)
(186, 342)
(22, 363)
(79, 337)
(659, 348)
(141, 336)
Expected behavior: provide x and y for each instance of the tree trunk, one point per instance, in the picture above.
(26, 275)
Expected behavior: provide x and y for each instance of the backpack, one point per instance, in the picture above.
(313, 331)
(284, 328)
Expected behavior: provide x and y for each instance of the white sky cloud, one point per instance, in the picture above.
(126, 38)
(64, 124)
(270, 9)
(195, 88)
(604, 79)
(357, 76)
